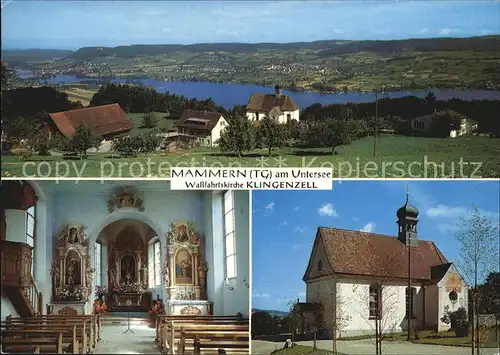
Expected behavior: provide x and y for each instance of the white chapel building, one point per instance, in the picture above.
(357, 277)
(138, 240)
(276, 106)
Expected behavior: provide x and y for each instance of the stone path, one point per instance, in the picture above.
(366, 347)
(115, 341)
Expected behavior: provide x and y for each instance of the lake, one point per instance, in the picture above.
(229, 95)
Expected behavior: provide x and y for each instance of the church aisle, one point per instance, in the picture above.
(115, 341)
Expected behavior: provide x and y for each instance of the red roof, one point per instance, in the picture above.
(368, 254)
(266, 102)
(102, 120)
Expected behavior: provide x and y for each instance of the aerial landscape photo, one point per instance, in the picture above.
(377, 267)
(368, 88)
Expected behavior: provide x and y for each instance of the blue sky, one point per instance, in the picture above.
(284, 224)
(73, 24)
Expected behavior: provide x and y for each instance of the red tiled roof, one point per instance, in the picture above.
(201, 120)
(369, 254)
(266, 102)
(102, 120)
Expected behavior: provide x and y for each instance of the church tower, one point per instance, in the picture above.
(407, 224)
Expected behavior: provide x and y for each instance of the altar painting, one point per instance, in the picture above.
(184, 267)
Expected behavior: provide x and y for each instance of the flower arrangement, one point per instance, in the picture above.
(100, 307)
(157, 308)
(70, 294)
(101, 291)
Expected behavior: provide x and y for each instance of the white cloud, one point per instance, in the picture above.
(260, 295)
(270, 206)
(166, 30)
(339, 182)
(355, 219)
(296, 246)
(296, 208)
(446, 228)
(445, 31)
(424, 30)
(327, 210)
(283, 223)
(368, 228)
(443, 211)
(300, 229)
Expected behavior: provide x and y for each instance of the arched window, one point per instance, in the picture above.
(157, 263)
(320, 265)
(375, 302)
(97, 260)
(30, 232)
(453, 295)
(229, 236)
(410, 302)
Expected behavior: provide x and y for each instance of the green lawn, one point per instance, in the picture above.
(300, 349)
(488, 337)
(164, 124)
(396, 157)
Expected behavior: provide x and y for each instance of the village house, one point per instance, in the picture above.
(423, 125)
(104, 121)
(357, 277)
(202, 126)
(276, 106)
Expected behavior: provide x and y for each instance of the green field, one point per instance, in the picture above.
(163, 124)
(396, 157)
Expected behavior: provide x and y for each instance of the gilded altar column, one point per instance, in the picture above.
(118, 267)
(171, 266)
(195, 267)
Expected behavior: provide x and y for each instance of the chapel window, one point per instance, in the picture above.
(30, 231)
(375, 302)
(98, 259)
(320, 265)
(229, 236)
(410, 302)
(157, 263)
(453, 295)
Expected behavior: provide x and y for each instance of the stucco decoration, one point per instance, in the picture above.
(183, 232)
(72, 234)
(68, 311)
(191, 311)
(123, 198)
(454, 283)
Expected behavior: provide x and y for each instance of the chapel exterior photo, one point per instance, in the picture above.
(356, 277)
(136, 241)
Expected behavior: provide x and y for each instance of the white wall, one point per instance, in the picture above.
(216, 131)
(294, 115)
(351, 303)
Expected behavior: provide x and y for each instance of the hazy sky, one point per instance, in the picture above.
(284, 224)
(73, 24)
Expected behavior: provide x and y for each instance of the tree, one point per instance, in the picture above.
(331, 132)
(19, 128)
(238, 137)
(478, 241)
(82, 140)
(149, 142)
(149, 120)
(430, 101)
(273, 134)
(6, 77)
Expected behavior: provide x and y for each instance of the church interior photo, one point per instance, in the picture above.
(129, 250)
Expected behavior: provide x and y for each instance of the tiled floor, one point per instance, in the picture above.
(115, 341)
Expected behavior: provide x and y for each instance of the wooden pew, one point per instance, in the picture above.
(160, 320)
(32, 341)
(231, 341)
(173, 334)
(83, 334)
(168, 336)
(93, 323)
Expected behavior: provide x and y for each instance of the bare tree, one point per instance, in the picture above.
(477, 237)
(341, 316)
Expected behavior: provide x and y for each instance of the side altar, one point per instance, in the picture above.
(185, 272)
(71, 272)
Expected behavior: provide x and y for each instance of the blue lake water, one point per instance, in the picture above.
(229, 95)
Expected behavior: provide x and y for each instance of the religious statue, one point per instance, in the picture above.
(71, 272)
(89, 273)
(55, 272)
(166, 275)
(112, 276)
(202, 276)
(73, 236)
(128, 278)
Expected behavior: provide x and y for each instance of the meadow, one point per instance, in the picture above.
(396, 157)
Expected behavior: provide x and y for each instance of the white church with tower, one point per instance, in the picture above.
(354, 278)
(64, 244)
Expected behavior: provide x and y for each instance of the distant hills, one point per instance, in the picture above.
(323, 48)
(271, 312)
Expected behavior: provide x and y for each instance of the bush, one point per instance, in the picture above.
(458, 320)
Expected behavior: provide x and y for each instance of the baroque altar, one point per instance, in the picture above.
(72, 272)
(185, 272)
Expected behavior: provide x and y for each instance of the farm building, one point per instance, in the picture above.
(201, 126)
